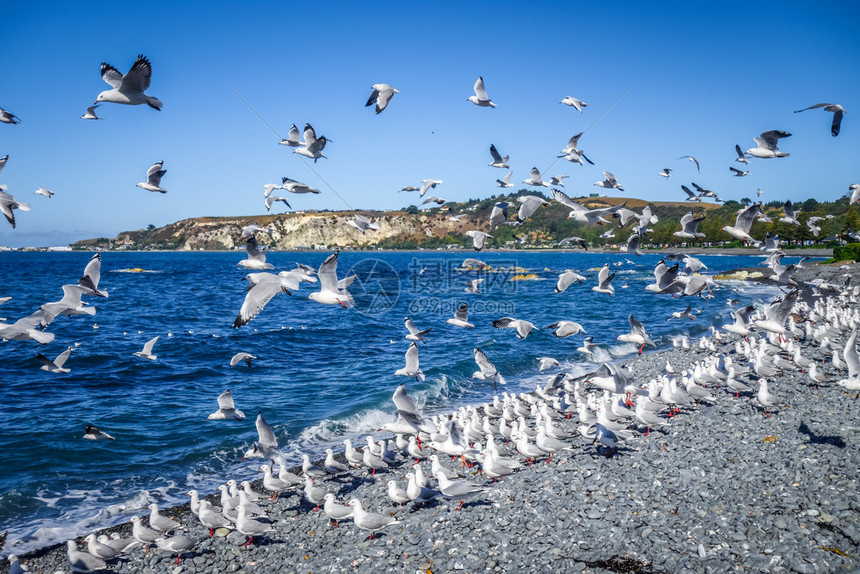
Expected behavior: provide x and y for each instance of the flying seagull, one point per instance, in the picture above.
(498, 160)
(313, 147)
(363, 224)
(481, 98)
(837, 115)
(226, 409)
(256, 258)
(742, 158)
(46, 192)
(8, 203)
(241, 356)
(609, 182)
(737, 172)
(479, 238)
(767, 145)
(91, 113)
(426, 184)
(3, 161)
(528, 205)
(8, 117)
(292, 138)
(153, 178)
(410, 188)
(129, 88)
(263, 287)
(666, 173)
(572, 153)
(535, 179)
(505, 181)
(574, 103)
(294, 186)
(270, 201)
(689, 224)
(412, 369)
(692, 159)
(146, 353)
(381, 95)
(55, 366)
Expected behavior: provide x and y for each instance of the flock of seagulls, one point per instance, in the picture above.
(500, 437)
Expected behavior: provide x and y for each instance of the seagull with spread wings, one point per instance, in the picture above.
(837, 115)
(766, 145)
(381, 95)
(153, 178)
(481, 98)
(498, 160)
(130, 88)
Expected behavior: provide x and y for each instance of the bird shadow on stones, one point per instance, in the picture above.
(833, 440)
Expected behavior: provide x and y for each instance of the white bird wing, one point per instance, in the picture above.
(487, 368)
(410, 326)
(328, 273)
(412, 358)
(610, 179)
(225, 401)
(746, 217)
(293, 136)
(111, 75)
(92, 273)
(154, 173)
(480, 90)
(62, 358)
(138, 77)
(147, 348)
(309, 135)
(852, 359)
(265, 433)
(564, 199)
(268, 285)
(384, 96)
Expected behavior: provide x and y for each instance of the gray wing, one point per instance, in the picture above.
(138, 77)
(265, 432)
(772, 137)
(837, 122)
(328, 273)
(462, 312)
(373, 95)
(267, 287)
(412, 357)
(480, 90)
(155, 173)
(310, 135)
(574, 141)
(746, 217)
(111, 75)
(497, 157)
(812, 107)
(293, 136)
(484, 362)
(564, 199)
(63, 357)
(504, 323)
(147, 348)
(92, 273)
(225, 401)
(403, 401)
(253, 249)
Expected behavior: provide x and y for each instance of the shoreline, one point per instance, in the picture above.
(303, 540)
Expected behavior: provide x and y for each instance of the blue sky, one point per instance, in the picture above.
(704, 78)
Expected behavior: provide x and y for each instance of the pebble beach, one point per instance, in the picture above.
(722, 486)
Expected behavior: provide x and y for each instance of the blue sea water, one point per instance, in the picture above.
(323, 373)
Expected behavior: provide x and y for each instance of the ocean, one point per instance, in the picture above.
(322, 374)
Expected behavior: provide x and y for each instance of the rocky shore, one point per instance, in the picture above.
(720, 487)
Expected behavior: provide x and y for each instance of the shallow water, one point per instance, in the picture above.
(323, 373)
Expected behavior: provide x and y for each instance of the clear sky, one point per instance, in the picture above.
(705, 76)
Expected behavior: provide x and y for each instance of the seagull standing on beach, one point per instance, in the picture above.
(381, 95)
(481, 98)
(153, 178)
(837, 115)
(82, 561)
(129, 88)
